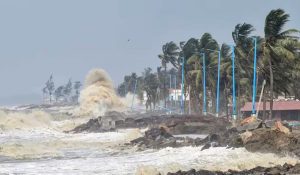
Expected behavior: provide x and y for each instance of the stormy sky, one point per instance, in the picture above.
(67, 38)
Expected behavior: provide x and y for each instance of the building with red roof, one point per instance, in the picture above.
(282, 110)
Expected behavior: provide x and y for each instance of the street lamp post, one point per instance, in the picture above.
(254, 79)
(204, 84)
(182, 86)
(170, 92)
(253, 113)
(218, 85)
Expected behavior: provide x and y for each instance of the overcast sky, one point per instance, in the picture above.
(70, 37)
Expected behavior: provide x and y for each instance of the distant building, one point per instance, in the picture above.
(282, 110)
(174, 95)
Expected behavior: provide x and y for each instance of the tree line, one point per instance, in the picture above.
(68, 93)
(153, 83)
(278, 63)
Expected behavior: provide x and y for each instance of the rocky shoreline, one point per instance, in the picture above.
(254, 136)
(157, 138)
(277, 170)
(176, 124)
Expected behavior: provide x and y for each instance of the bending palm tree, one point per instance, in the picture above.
(276, 42)
(242, 49)
(169, 55)
(206, 44)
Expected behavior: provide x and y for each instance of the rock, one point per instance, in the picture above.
(93, 125)
(250, 126)
(157, 138)
(206, 146)
(245, 136)
(269, 140)
(273, 123)
(257, 140)
(248, 120)
(279, 127)
(211, 144)
(229, 138)
(269, 123)
(174, 124)
(277, 170)
(105, 123)
(154, 133)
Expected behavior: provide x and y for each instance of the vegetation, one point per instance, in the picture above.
(278, 62)
(49, 88)
(62, 94)
(170, 55)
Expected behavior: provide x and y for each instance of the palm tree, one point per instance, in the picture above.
(277, 45)
(188, 51)
(195, 66)
(170, 55)
(225, 75)
(243, 48)
(207, 44)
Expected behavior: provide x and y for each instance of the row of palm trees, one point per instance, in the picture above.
(278, 62)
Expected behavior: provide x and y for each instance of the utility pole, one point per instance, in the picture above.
(204, 85)
(254, 80)
(218, 85)
(170, 91)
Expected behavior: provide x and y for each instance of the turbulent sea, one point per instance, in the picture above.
(33, 142)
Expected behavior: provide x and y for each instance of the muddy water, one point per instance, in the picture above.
(42, 148)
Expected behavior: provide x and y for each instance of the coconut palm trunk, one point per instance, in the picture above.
(277, 47)
(264, 104)
(238, 93)
(271, 88)
(165, 88)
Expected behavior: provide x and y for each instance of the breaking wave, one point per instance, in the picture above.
(22, 120)
(98, 95)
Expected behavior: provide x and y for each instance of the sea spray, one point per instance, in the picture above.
(22, 120)
(98, 95)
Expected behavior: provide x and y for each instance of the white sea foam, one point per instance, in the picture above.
(165, 160)
(33, 143)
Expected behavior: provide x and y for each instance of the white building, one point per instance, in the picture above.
(174, 95)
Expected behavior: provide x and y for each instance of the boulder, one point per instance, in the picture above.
(269, 123)
(272, 140)
(155, 133)
(248, 120)
(250, 126)
(276, 170)
(280, 127)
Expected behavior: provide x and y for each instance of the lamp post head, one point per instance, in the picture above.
(213, 50)
(253, 37)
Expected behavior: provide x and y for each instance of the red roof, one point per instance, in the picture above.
(277, 106)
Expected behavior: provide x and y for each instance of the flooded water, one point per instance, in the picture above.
(41, 147)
